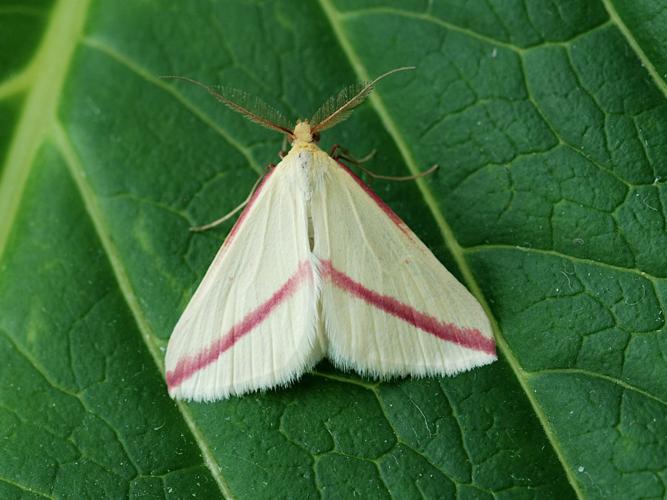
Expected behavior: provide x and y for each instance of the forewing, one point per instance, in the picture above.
(251, 323)
(389, 306)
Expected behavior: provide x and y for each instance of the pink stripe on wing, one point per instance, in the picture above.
(188, 366)
(466, 337)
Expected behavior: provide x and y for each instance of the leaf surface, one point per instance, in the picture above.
(548, 121)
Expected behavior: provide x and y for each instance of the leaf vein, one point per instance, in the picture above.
(97, 218)
(608, 378)
(448, 236)
(153, 80)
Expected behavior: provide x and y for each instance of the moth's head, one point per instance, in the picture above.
(304, 133)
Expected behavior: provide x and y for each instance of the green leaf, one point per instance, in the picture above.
(548, 120)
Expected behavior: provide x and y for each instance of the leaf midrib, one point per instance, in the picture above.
(448, 235)
(47, 71)
(44, 79)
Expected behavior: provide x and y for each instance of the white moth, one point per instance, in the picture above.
(317, 265)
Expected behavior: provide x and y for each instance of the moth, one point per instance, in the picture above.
(318, 265)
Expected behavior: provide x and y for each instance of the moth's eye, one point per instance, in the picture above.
(316, 137)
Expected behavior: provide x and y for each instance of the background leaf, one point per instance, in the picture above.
(549, 122)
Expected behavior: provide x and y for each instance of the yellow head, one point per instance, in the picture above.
(302, 132)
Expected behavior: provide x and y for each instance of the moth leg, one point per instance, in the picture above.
(283, 149)
(227, 216)
(339, 153)
(432, 169)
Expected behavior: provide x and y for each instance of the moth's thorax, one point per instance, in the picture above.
(308, 164)
(303, 148)
(300, 147)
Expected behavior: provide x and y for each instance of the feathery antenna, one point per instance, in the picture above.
(251, 107)
(335, 109)
(339, 107)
